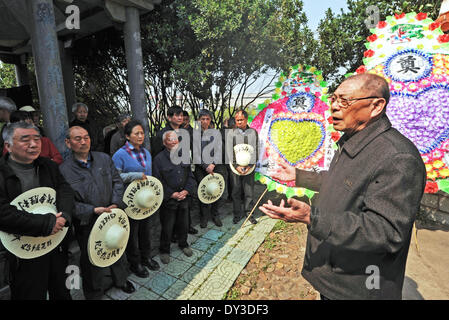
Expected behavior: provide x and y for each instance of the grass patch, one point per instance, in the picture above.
(270, 243)
(280, 225)
(233, 294)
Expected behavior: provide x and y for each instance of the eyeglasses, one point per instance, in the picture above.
(345, 103)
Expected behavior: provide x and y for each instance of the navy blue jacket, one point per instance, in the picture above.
(174, 178)
(97, 186)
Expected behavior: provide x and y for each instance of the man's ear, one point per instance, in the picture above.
(8, 146)
(379, 106)
(67, 143)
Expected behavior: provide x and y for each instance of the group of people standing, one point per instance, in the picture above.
(90, 182)
(361, 221)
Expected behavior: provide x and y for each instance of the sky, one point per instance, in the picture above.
(315, 9)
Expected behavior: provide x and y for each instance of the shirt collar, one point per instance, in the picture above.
(84, 164)
(354, 144)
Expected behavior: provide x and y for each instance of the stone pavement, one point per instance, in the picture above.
(219, 255)
(427, 272)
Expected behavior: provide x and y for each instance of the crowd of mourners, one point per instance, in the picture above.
(99, 167)
(359, 224)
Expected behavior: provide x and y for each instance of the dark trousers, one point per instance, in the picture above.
(211, 210)
(93, 276)
(323, 297)
(174, 215)
(32, 278)
(139, 243)
(245, 184)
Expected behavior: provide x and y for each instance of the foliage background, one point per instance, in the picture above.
(211, 54)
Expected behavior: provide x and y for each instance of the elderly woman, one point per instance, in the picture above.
(133, 162)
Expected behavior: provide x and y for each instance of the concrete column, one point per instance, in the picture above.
(69, 79)
(48, 71)
(134, 62)
(22, 75)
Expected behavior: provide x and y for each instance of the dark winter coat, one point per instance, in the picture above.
(97, 186)
(361, 225)
(21, 222)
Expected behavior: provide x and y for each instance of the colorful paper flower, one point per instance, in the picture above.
(424, 83)
(437, 154)
(397, 86)
(335, 136)
(434, 25)
(361, 69)
(368, 53)
(432, 175)
(431, 187)
(372, 38)
(381, 24)
(412, 87)
(438, 164)
(445, 146)
(444, 173)
(421, 16)
(399, 16)
(443, 38)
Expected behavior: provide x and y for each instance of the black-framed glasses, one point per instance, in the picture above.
(346, 103)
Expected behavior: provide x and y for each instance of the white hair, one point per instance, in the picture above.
(7, 104)
(8, 132)
(166, 133)
(76, 105)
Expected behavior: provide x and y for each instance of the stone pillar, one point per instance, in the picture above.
(48, 71)
(134, 62)
(22, 75)
(69, 79)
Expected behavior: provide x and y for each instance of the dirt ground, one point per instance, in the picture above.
(274, 272)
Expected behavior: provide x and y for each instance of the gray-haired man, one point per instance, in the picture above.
(22, 169)
(81, 111)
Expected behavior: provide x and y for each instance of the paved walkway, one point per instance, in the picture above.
(219, 255)
(427, 272)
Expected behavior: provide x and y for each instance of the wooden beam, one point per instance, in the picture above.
(115, 11)
(139, 4)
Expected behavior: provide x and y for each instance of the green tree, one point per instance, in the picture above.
(7, 75)
(212, 52)
(342, 36)
(197, 53)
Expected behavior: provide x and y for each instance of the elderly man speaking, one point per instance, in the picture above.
(361, 224)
